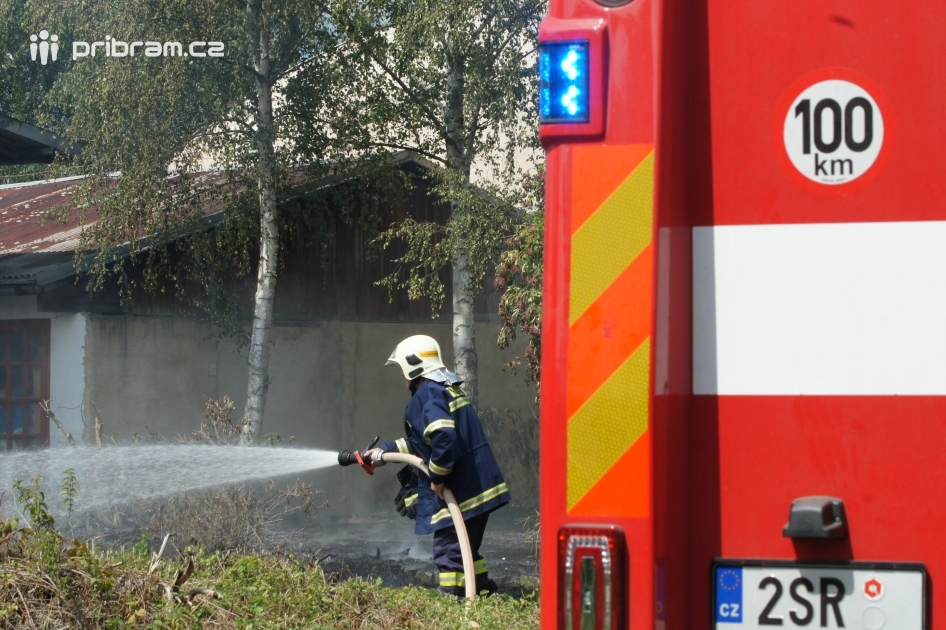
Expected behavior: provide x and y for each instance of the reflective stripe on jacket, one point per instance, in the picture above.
(443, 429)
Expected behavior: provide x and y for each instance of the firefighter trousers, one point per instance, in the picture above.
(449, 560)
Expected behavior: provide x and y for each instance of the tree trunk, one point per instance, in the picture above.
(464, 331)
(258, 361)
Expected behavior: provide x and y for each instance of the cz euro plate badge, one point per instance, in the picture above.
(857, 596)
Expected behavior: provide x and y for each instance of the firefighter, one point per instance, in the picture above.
(443, 429)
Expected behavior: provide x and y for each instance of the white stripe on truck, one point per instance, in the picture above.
(820, 309)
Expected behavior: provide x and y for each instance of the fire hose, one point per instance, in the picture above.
(368, 463)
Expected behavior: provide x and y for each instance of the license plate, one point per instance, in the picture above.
(857, 596)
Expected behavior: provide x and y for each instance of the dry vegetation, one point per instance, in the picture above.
(47, 583)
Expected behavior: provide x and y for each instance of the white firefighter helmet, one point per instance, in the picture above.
(418, 356)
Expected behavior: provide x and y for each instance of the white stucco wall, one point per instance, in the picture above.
(67, 358)
(67, 372)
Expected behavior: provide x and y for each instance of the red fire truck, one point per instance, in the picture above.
(744, 354)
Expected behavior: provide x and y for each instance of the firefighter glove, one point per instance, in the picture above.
(406, 499)
(406, 504)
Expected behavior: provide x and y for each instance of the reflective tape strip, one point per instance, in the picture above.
(611, 238)
(449, 579)
(410, 500)
(438, 470)
(402, 446)
(610, 323)
(458, 403)
(473, 502)
(608, 424)
(437, 425)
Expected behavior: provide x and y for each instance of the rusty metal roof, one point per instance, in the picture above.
(24, 223)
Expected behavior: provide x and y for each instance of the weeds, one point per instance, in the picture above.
(532, 528)
(242, 517)
(69, 491)
(47, 582)
(32, 500)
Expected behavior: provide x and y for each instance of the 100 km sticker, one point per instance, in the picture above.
(834, 131)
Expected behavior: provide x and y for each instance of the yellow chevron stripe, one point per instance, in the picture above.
(609, 422)
(612, 238)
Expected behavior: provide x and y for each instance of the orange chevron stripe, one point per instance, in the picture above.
(610, 330)
(625, 489)
(597, 171)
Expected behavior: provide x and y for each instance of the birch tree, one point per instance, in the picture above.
(454, 81)
(160, 120)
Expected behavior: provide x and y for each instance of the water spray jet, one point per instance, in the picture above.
(123, 474)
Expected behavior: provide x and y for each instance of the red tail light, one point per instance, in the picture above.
(591, 570)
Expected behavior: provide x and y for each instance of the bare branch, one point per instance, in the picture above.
(156, 558)
(52, 416)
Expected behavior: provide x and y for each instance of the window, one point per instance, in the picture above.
(24, 383)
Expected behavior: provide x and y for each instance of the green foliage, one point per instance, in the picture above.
(141, 546)
(32, 501)
(9, 532)
(519, 276)
(479, 225)
(453, 80)
(24, 83)
(69, 490)
(427, 253)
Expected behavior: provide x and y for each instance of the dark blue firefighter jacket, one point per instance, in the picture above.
(444, 430)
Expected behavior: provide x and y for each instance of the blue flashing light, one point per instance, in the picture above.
(563, 82)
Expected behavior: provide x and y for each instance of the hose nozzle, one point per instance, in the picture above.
(347, 458)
